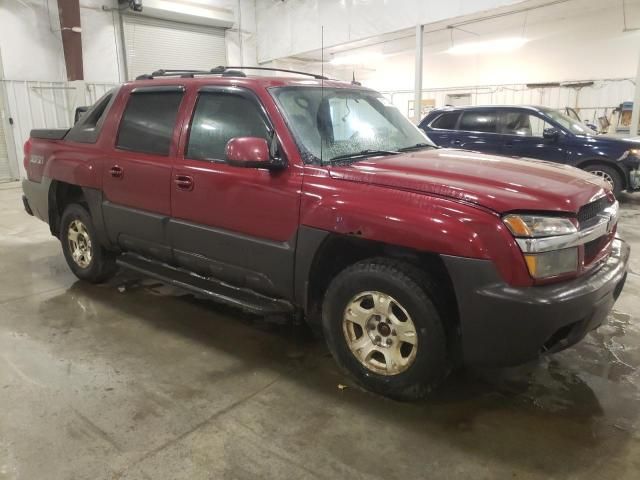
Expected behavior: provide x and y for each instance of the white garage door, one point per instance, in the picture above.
(5, 172)
(152, 44)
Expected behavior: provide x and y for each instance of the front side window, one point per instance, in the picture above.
(478, 121)
(148, 121)
(569, 123)
(336, 122)
(218, 118)
(523, 124)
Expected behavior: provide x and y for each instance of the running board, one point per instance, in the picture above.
(213, 289)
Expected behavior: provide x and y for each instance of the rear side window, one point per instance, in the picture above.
(218, 118)
(95, 114)
(478, 121)
(148, 121)
(446, 121)
(88, 127)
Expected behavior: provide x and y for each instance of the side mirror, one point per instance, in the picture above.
(550, 134)
(80, 111)
(251, 152)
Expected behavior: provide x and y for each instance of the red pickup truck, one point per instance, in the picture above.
(317, 199)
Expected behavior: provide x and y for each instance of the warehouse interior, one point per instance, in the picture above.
(136, 379)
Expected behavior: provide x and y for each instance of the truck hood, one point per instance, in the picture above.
(501, 184)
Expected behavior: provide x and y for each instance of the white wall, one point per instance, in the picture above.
(583, 47)
(241, 37)
(101, 46)
(289, 28)
(30, 41)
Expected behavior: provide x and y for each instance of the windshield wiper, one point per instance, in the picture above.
(417, 146)
(363, 154)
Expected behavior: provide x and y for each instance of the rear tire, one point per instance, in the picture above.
(382, 326)
(609, 174)
(86, 258)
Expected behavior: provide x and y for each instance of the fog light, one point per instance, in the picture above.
(552, 264)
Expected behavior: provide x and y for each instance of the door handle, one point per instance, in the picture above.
(184, 182)
(509, 145)
(116, 171)
(456, 142)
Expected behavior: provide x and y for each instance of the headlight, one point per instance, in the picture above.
(544, 264)
(533, 226)
(634, 151)
(551, 264)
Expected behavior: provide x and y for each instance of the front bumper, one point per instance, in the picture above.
(503, 325)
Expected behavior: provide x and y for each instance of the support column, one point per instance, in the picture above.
(417, 97)
(635, 115)
(69, 11)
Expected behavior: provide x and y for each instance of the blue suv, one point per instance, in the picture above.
(536, 132)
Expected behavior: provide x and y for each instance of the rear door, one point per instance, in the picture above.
(442, 130)
(478, 131)
(522, 133)
(137, 172)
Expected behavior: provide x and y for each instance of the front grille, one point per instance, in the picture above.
(591, 210)
(588, 216)
(593, 248)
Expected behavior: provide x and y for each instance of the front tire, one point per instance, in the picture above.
(86, 258)
(382, 326)
(609, 174)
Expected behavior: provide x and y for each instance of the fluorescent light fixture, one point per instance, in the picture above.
(499, 45)
(357, 58)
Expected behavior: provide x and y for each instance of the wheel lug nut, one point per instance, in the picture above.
(377, 338)
(389, 342)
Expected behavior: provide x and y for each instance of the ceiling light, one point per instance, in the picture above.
(499, 45)
(357, 58)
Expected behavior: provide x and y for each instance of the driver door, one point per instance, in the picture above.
(236, 224)
(523, 136)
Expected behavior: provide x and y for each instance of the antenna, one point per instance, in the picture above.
(321, 84)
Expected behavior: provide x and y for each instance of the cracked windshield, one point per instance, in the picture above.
(340, 125)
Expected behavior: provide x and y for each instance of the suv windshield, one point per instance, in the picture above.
(340, 123)
(569, 123)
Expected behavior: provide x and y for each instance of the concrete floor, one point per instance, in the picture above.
(133, 380)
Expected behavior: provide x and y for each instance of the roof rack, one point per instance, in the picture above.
(225, 71)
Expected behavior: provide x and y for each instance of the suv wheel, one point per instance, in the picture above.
(85, 256)
(607, 173)
(382, 326)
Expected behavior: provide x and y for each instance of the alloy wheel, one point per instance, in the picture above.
(380, 333)
(603, 175)
(79, 243)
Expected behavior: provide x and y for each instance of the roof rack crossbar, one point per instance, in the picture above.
(170, 73)
(222, 69)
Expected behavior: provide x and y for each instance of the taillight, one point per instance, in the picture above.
(27, 154)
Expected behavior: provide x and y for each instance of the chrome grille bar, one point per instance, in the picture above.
(607, 220)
